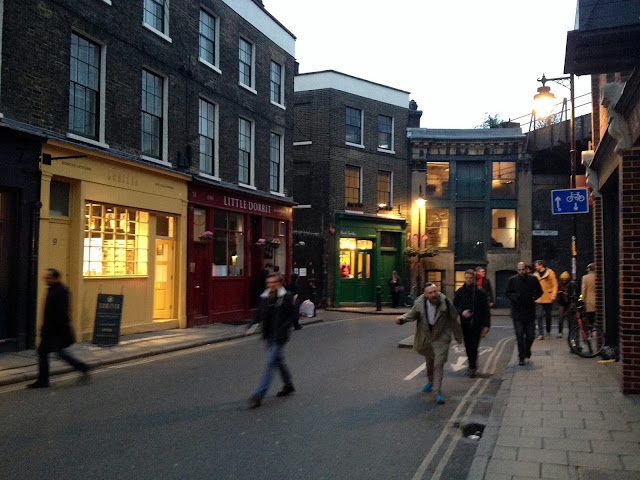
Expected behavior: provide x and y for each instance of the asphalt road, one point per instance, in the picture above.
(358, 412)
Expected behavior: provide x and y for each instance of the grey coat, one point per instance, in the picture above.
(434, 343)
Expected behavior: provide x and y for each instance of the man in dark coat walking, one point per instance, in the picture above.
(56, 334)
(523, 290)
(473, 306)
(275, 313)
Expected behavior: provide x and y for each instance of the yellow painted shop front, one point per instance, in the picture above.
(114, 226)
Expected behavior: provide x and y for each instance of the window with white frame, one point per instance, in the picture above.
(156, 15)
(84, 87)
(152, 114)
(207, 132)
(245, 151)
(354, 126)
(275, 163)
(352, 186)
(245, 63)
(385, 132)
(208, 38)
(277, 84)
(384, 190)
(116, 241)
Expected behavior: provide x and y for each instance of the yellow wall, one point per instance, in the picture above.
(107, 179)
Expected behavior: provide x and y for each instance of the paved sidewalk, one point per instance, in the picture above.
(16, 367)
(560, 416)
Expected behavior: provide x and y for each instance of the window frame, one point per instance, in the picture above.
(99, 140)
(514, 229)
(389, 203)
(215, 65)
(228, 234)
(215, 163)
(279, 162)
(391, 141)
(279, 86)
(251, 66)
(498, 179)
(250, 152)
(163, 146)
(441, 229)
(432, 185)
(346, 187)
(164, 33)
(348, 126)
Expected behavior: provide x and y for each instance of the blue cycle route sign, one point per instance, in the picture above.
(573, 200)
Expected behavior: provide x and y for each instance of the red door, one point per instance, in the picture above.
(199, 274)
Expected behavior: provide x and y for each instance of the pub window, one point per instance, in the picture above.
(228, 244)
(276, 242)
(116, 241)
(503, 182)
(438, 179)
(350, 248)
(437, 227)
(435, 277)
(199, 223)
(503, 228)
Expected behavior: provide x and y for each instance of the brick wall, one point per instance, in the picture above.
(598, 259)
(630, 273)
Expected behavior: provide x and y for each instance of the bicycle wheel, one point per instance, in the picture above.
(588, 342)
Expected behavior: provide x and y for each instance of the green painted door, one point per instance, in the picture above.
(364, 291)
(387, 265)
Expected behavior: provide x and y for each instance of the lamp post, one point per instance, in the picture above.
(542, 99)
(420, 201)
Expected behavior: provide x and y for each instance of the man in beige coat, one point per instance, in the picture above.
(549, 284)
(436, 325)
(588, 293)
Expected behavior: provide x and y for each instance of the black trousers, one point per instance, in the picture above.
(525, 333)
(471, 331)
(395, 299)
(57, 345)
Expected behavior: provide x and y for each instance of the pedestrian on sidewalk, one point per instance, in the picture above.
(472, 304)
(293, 287)
(56, 334)
(549, 284)
(588, 293)
(522, 291)
(275, 314)
(394, 285)
(436, 323)
(484, 283)
(565, 292)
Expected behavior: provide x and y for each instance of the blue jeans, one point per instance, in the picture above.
(275, 359)
(543, 314)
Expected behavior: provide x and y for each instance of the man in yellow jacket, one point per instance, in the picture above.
(588, 291)
(549, 284)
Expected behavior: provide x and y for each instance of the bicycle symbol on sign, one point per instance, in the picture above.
(575, 196)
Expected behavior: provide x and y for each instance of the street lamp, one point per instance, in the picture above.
(420, 201)
(542, 100)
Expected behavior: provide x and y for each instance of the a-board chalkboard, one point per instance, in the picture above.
(106, 330)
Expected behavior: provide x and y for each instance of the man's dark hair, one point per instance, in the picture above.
(541, 263)
(54, 272)
(276, 275)
(470, 271)
(480, 267)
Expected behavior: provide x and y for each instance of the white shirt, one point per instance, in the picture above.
(431, 313)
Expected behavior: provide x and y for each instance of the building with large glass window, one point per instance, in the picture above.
(477, 186)
(351, 184)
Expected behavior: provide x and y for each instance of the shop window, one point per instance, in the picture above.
(116, 241)
(276, 242)
(228, 244)
(437, 227)
(503, 228)
(199, 222)
(59, 199)
(503, 182)
(435, 277)
(438, 179)
(350, 249)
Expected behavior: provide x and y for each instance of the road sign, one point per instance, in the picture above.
(574, 200)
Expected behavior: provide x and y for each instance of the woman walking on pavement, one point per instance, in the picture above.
(436, 323)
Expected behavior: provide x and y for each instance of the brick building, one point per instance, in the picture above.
(134, 108)
(606, 45)
(351, 184)
(477, 186)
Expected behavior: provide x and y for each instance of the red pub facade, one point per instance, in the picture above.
(232, 235)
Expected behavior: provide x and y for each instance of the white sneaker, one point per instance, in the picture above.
(540, 337)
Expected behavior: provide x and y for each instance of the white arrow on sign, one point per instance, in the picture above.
(557, 199)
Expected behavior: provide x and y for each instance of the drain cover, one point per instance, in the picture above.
(472, 431)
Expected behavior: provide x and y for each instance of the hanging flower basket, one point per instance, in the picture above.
(275, 243)
(410, 252)
(261, 242)
(428, 252)
(206, 236)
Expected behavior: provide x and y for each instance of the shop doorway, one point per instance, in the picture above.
(7, 269)
(388, 265)
(356, 282)
(163, 287)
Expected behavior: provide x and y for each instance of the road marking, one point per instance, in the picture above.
(489, 368)
(460, 361)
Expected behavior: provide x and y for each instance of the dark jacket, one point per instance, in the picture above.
(276, 315)
(523, 292)
(470, 297)
(56, 322)
(488, 288)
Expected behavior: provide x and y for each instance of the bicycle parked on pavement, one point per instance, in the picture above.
(411, 297)
(584, 339)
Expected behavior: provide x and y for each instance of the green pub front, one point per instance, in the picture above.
(367, 251)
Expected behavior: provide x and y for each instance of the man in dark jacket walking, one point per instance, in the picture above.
(275, 313)
(523, 290)
(473, 306)
(56, 332)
